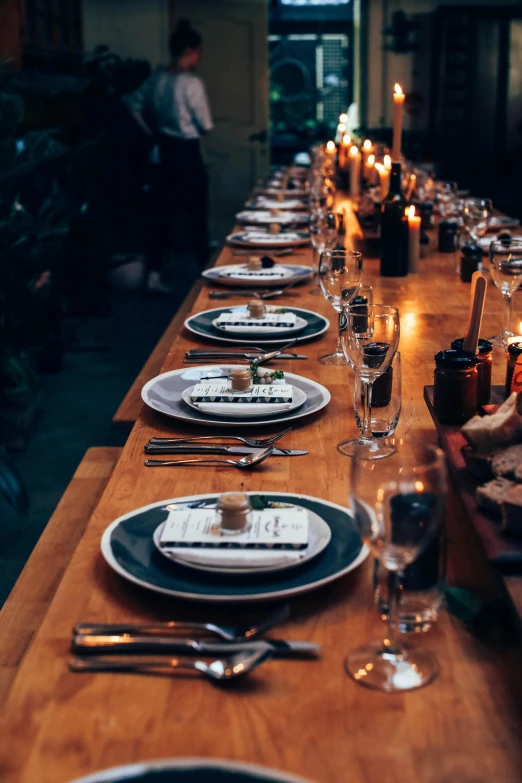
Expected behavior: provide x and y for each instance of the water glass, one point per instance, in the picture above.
(386, 401)
(339, 276)
(505, 266)
(397, 507)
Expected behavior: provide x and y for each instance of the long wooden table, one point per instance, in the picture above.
(303, 717)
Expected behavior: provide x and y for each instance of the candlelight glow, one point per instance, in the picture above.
(371, 160)
(354, 151)
(341, 127)
(410, 211)
(398, 89)
(520, 327)
(380, 168)
(419, 486)
(343, 118)
(387, 161)
(346, 139)
(330, 146)
(408, 322)
(367, 144)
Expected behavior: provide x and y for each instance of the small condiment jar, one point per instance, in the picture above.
(254, 263)
(513, 369)
(234, 513)
(485, 363)
(470, 261)
(240, 379)
(456, 384)
(275, 212)
(447, 236)
(256, 308)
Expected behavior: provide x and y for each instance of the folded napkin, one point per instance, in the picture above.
(266, 393)
(258, 235)
(272, 203)
(195, 529)
(274, 272)
(242, 322)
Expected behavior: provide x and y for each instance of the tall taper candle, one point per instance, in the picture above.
(414, 226)
(355, 171)
(398, 109)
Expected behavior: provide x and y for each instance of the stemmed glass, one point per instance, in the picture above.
(475, 215)
(339, 276)
(323, 234)
(369, 338)
(505, 266)
(397, 507)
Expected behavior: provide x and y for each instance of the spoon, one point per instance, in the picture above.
(230, 633)
(220, 670)
(245, 463)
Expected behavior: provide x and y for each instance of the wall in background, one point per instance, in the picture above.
(131, 28)
(413, 70)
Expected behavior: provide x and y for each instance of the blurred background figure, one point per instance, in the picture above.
(173, 109)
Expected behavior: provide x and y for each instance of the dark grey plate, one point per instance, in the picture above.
(128, 547)
(201, 324)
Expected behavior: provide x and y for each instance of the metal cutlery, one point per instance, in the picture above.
(271, 294)
(245, 463)
(240, 632)
(220, 670)
(132, 643)
(198, 353)
(285, 251)
(260, 358)
(187, 448)
(255, 442)
(216, 358)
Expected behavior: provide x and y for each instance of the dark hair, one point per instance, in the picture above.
(183, 38)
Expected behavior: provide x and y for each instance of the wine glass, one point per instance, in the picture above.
(339, 275)
(475, 214)
(323, 235)
(505, 266)
(397, 507)
(369, 339)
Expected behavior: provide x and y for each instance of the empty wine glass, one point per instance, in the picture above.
(323, 235)
(505, 266)
(475, 215)
(369, 339)
(397, 508)
(339, 276)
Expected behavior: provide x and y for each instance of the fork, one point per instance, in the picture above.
(217, 354)
(254, 442)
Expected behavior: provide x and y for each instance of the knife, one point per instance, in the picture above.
(188, 448)
(85, 643)
(238, 357)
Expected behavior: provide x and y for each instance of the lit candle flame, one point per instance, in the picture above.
(346, 139)
(330, 146)
(367, 144)
(371, 160)
(387, 161)
(380, 168)
(398, 89)
(419, 486)
(354, 151)
(520, 327)
(343, 118)
(410, 211)
(341, 127)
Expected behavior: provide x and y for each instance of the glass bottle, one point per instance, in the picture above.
(394, 229)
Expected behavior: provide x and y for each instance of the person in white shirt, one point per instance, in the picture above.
(172, 106)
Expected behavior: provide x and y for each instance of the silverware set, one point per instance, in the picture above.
(254, 451)
(145, 647)
(202, 355)
(259, 294)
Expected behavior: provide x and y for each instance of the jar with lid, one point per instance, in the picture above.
(234, 513)
(448, 236)
(514, 366)
(456, 383)
(485, 363)
(470, 261)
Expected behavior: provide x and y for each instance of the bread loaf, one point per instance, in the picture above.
(503, 428)
(490, 496)
(507, 463)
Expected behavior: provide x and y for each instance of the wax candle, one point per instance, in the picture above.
(384, 179)
(398, 110)
(387, 162)
(343, 151)
(414, 226)
(355, 171)
(369, 172)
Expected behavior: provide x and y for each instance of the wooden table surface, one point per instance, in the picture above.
(305, 717)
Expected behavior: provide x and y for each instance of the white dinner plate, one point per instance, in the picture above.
(319, 535)
(264, 239)
(298, 399)
(265, 218)
(165, 395)
(266, 202)
(128, 548)
(234, 275)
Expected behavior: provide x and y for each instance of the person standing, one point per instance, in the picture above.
(172, 106)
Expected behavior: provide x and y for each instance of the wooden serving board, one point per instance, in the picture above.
(502, 550)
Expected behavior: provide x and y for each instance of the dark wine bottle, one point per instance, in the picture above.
(341, 232)
(394, 229)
